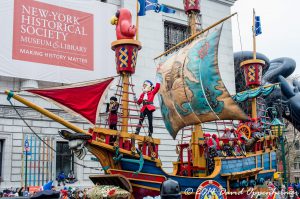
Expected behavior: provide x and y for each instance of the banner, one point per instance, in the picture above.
(58, 40)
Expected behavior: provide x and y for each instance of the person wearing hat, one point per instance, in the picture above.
(146, 99)
(216, 139)
(291, 193)
(211, 152)
(271, 193)
(112, 109)
(227, 133)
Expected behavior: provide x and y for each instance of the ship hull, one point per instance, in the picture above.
(147, 176)
(139, 192)
(151, 176)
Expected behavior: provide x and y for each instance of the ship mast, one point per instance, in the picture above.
(253, 70)
(192, 9)
(126, 51)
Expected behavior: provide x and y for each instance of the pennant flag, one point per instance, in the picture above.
(146, 5)
(257, 26)
(26, 144)
(142, 5)
(82, 99)
(164, 8)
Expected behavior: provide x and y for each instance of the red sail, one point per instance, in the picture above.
(81, 99)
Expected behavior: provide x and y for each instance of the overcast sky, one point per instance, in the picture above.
(280, 21)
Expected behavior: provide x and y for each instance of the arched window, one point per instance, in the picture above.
(297, 162)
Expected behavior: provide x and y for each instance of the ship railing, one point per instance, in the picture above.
(147, 145)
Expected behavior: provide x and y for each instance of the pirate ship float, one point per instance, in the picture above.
(236, 160)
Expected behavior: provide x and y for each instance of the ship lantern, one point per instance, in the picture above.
(191, 5)
(253, 72)
(126, 52)
(277, 127)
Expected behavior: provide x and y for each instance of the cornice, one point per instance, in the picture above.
(225, 2)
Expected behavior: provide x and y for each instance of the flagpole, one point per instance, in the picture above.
(253, 33)
(137, 20)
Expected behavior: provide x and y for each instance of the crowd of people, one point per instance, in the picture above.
(280, 191)
(64, 193)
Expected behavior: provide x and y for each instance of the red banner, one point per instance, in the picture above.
(54, 35)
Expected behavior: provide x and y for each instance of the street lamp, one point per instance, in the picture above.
(277, 128)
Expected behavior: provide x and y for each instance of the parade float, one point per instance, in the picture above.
(238, 157)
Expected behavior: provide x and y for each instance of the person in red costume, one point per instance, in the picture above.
(146, 98)
(216, 139)
(292, 194)
(210, 142)
(124, 29)
(272, 193)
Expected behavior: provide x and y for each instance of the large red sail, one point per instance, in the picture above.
(82, 99)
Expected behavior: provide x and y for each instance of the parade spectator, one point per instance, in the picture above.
(71, 177)
(292, 194)
(61, 178)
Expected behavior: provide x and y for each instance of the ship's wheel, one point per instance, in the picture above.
(245, 130)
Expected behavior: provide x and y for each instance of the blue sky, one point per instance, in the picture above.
(280, 20)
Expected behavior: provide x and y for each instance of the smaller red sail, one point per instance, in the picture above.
(82, 99)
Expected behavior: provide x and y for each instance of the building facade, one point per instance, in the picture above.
(292, 154)
(48, 153)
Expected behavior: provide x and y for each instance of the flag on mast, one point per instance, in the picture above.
(146, 5)
(83, 99)
(257, 26)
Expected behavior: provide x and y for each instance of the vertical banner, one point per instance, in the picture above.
(50, 34)
(39, 158)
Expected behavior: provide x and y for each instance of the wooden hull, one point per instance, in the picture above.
(140, 192)
(148, 181)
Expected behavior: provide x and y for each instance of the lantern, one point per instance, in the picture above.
(126, 52)
(277, 127)
(253, 71)
(191, 5)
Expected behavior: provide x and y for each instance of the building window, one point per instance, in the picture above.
(1, 155)
(174, 33)
(64, 158)
(297, 145)
(297, 180)
(297, 163)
